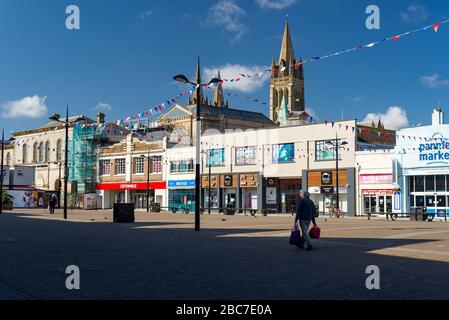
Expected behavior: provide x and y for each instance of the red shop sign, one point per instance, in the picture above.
(132, 186)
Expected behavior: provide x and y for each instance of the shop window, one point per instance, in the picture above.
(412, 201)
(430, 201)
(325, 151)
(105, 167)
(157, 164)
(430, 183)
(120, 166)
(441, 201)
(139, 165)
(419, 201)
(419, 184)
(283, 153)
(183, 166)
(411, 184)
(245, 155)
(215, 157)
(447, 183)
(440, 183)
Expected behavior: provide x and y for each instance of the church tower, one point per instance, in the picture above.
(287, 79)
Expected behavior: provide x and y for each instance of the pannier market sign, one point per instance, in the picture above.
(435, 152)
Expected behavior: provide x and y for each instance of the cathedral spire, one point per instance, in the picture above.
(197, 81)
(287, 54)
(218, 94)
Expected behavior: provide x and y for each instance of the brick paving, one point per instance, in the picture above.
(233, 257)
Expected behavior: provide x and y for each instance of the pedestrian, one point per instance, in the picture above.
(305, 213)
(52, 203)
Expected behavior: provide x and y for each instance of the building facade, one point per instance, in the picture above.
(128, 169)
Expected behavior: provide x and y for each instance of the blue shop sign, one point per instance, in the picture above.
(181, 183)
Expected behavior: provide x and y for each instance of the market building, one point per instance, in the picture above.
(422, 167)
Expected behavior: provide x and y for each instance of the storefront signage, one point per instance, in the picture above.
(326, 177)
(378, 191)
(132, 186)
(314, 190)
(248, 180)
(213, 181)
(180, 183)
(434, 152)
(271, 197)
(376, 178)
(327, 190)
(397, 201)
(228, 181)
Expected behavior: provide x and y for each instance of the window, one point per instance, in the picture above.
(41, 152)
(139, 165)
(420, 201)
(8, 159)
(59, 150)
(24, 154)
(120, 166)
(19, 172)
(245, 155)
(419, 184)
(105, 167)
(215, 157)
(440, 183)
(283, 153)
(35, 153)
(430, 201)
(325, 151)
(183, 166)
(411, 184)
(430, 183)
(47, 151)
(441, 201)
(157, 164)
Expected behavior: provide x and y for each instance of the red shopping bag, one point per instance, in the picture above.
(315, 232)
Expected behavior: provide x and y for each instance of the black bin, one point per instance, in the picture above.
(123, 212)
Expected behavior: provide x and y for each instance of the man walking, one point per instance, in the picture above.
(305, 213)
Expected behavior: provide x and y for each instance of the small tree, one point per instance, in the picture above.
(7, 201)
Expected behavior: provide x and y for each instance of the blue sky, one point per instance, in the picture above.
(126, 53)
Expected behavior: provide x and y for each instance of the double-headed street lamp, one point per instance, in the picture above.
(336, 144)
(183, 79)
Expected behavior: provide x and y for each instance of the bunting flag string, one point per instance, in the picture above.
(435, 26)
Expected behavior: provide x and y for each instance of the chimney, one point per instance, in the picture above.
(437, 117)
(100, 117)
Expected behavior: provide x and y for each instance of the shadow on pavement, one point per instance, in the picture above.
(164, 262)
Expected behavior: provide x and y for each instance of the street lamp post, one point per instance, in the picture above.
(1, 172)
(56, 117)
(183, 79)
(337, 145)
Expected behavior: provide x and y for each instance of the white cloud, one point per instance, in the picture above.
(274, 4)
(395, 118)
(231, 71)
(227, 14)
(414, 13)
(101, 106)
(146, 14)
(27, 107)
(434, 81)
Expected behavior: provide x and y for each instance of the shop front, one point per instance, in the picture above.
(377, 193)
(181, 195)
(422, 167)
(228, 186)
(210, 185)
(133, 192)
(249, 193)
(322, 186)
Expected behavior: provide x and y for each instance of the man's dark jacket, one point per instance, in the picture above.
(306, 210)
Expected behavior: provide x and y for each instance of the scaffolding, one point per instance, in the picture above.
(83, 155)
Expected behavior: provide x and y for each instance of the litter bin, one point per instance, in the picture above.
(123, 212)
(155, 207)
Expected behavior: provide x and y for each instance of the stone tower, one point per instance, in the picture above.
(287, 79)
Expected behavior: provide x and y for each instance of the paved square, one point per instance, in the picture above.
(233, 257)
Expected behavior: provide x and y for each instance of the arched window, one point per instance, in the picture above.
(35, 152)
(8, 159)
(24, 153)
(59, 150)
(41, 152)
(275, 98)
(47, 152)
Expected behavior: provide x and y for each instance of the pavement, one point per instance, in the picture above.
(160, 256)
